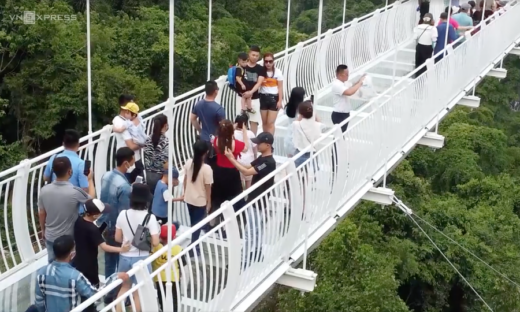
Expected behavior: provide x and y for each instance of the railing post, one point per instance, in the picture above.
(234, 257)
(341, 167)
(100, 162)
(375, 22)
(293, 68)
(295, 208)
(349, 43)
(168, 111)
(147, 292)
(19, 213)
(221, 82)
(323, 64)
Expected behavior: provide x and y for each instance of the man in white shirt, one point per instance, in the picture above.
(341, 90)
(125, 139)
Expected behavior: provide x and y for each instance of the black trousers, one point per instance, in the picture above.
(174, 294)
(338, 118)
(422, 53)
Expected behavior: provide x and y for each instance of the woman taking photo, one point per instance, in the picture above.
(271, 94)
(156, 151)
(227, 183)
(198, 179)
(425, 36)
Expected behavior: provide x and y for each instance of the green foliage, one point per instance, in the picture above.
(469, 190)
(43, 66)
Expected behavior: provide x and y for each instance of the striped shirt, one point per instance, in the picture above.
(270, 83)
(59, 288)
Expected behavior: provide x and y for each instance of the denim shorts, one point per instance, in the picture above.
(126, 264)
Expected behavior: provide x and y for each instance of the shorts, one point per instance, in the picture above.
(268, 102)
(246, 178)
(255, 104)
(126, 264)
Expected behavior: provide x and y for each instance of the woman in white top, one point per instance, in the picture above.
(271, 94)
(306, 131)
(425, 36)
(126, 226)
(247, 156)
(197, 186)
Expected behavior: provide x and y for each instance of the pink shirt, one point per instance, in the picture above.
(452, 23)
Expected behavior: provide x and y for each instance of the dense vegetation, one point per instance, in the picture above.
(378, 260)
(43, 80)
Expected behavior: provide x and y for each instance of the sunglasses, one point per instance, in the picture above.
(268, 61)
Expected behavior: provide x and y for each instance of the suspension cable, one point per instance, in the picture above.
(468, 251)
(407, 211)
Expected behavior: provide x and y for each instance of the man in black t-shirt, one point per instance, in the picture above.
(88, 238)
(253, 77)
(256, 215)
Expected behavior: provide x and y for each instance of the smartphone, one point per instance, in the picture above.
(312, 98)
(86, 169)
(139, 179)
(102, 227)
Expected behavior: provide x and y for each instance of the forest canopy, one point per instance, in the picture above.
(43, 67)
(379, 260)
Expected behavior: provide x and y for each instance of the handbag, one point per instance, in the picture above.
(142, 239)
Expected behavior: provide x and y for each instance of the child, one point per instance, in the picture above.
(175, 273)
(241, 87)
(134, 125)
(161, 196)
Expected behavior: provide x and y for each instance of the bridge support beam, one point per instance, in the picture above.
(515, 51)
(470, 101)
(432, 139)
(379, 195)
(303, 280)
(499, 73)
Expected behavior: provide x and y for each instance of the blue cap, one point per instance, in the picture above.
(175, 173)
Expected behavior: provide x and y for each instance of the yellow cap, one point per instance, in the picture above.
(132, 107)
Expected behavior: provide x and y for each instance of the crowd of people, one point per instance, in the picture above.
(128, 218)
(431, 38)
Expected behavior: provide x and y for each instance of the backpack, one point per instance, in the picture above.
(231, 76)
(142, 239)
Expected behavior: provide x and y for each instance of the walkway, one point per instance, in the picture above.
(305, 204)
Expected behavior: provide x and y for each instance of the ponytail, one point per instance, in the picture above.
(158, 124)
(225, 135)
(200, 149)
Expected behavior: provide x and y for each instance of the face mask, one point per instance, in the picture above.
(129, 169)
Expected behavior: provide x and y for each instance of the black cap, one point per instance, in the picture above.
(94, 206)
(264, 137)
(141, 193)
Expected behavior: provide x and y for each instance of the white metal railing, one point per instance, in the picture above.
(304, 199)
(309, 64)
